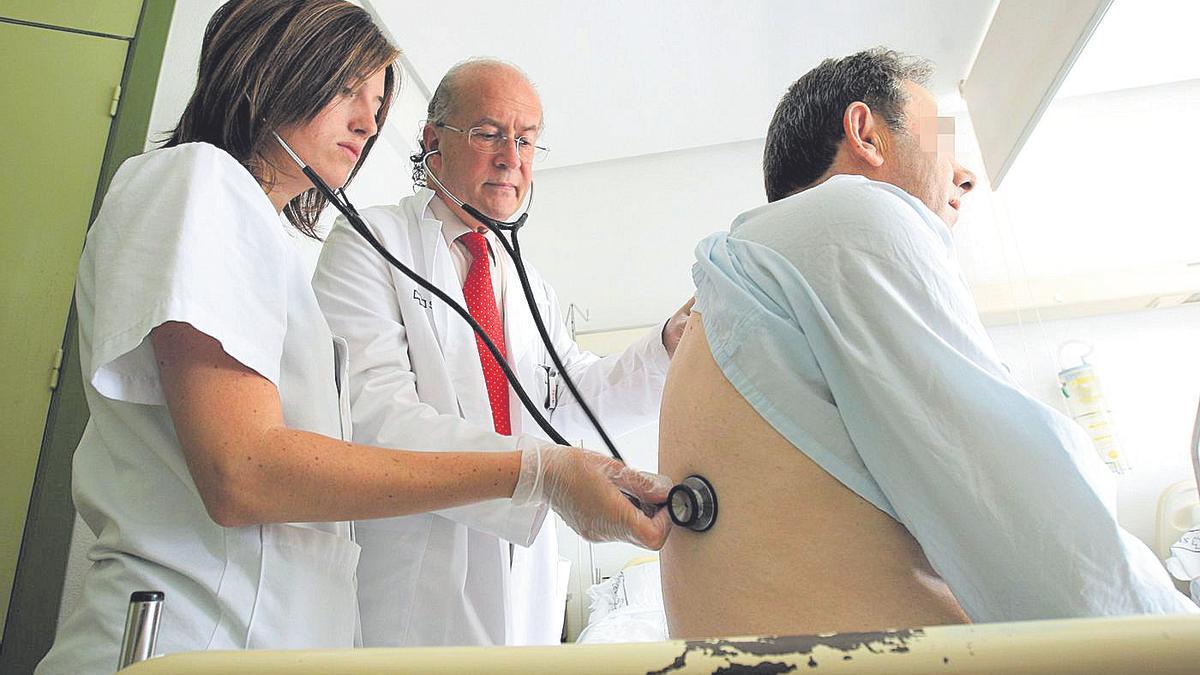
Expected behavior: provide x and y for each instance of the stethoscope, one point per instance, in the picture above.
(498, 228)
(691, 504)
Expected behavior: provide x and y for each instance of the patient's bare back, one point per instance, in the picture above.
(793, 551)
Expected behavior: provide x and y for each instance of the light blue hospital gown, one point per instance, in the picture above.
(840, 314)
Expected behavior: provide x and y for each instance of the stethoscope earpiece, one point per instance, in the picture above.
(693, 504)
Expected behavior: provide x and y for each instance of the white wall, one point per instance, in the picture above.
(1148, 368)
(181, 58)
(616, 237)
(627, 77)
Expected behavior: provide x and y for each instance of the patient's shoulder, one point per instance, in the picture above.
(846, 212)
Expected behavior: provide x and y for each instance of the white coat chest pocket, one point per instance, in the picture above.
(341, 369)
(307, 594)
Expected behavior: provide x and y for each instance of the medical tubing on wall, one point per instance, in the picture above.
(356, 221)
(514, 251)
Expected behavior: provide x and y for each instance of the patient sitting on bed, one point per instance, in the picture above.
(875, 464)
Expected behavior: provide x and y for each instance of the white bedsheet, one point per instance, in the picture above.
(626, 608)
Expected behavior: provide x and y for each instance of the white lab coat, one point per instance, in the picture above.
(416, 383)
(186, 234)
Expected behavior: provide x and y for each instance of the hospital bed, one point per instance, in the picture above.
(620, 626)
(1148, 644)
(625, 632)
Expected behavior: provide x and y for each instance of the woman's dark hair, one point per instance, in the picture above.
(266, 64)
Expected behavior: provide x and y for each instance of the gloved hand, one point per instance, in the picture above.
(589, 491)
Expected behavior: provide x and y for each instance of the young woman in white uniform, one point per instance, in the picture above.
(215, 387)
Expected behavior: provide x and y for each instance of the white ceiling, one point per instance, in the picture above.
(624, 78)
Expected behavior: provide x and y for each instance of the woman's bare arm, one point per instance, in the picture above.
(250, 468)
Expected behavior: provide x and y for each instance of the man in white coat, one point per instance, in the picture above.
(420, 380)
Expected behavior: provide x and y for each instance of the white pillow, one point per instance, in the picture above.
(643, 585)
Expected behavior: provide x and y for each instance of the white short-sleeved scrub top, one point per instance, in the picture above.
(186, 234)
(840, 314)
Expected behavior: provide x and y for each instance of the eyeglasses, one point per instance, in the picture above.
(489, 140)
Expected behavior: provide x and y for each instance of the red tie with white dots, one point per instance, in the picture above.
(481, 303)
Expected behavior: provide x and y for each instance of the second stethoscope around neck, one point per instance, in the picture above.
(490, 223)
(691, 504)
(513, 248)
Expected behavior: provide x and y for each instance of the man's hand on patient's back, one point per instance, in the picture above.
(673, 329)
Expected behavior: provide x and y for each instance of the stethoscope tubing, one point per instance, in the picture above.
(343, 205)
(514, 253)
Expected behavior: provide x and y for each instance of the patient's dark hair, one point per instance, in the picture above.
(803, 138)
(265, 64)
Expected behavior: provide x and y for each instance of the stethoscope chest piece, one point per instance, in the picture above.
(693, 504)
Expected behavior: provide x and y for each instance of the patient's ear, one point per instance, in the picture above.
(866, 135)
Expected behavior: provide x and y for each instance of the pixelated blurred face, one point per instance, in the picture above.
(923, 158)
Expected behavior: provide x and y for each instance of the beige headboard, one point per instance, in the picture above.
(1093, 646)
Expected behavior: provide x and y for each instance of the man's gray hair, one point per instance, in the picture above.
(445, 101)
(803, 138)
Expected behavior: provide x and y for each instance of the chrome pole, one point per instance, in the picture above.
(141, 627)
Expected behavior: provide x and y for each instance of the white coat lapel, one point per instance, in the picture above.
(455, 335)
(423, 240)
(428, 251)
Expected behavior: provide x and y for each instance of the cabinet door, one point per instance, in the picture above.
(58, 90)
(111, 17)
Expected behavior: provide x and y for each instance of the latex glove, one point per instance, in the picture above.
(673, 329)
(588, 491)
